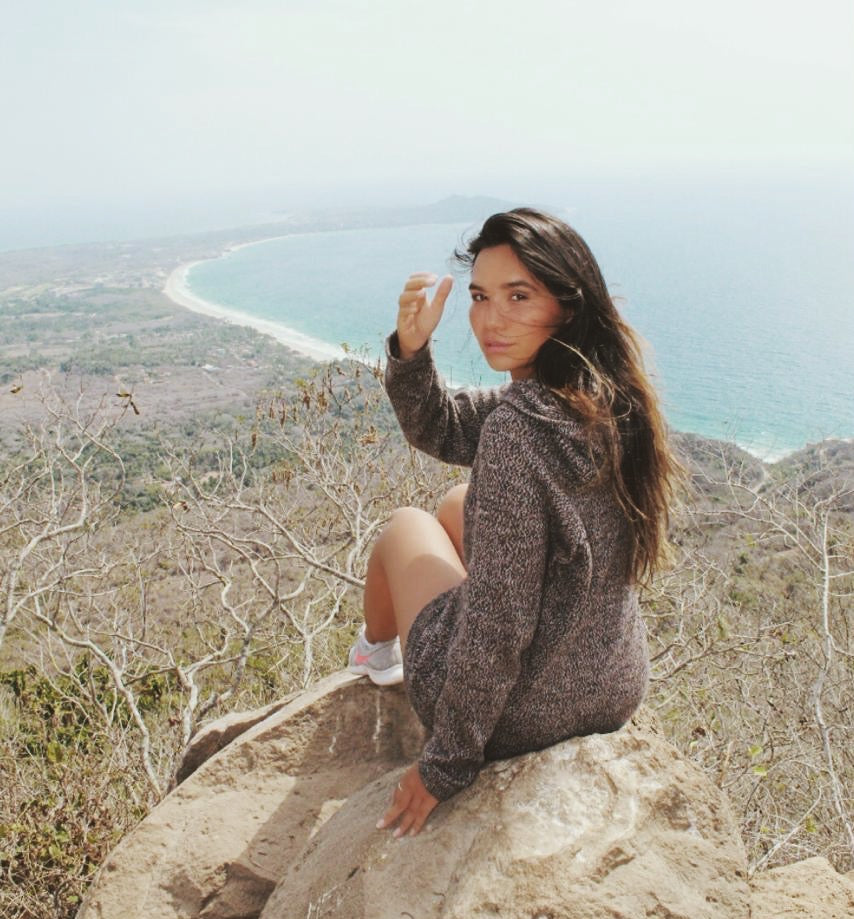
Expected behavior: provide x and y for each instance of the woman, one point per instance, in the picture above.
(515, 608)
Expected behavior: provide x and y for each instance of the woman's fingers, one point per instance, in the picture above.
(419, 815)
(406, 822)
(418, 316)
(441, 294)
(411, 805)
(399, 801)
(412, 299)
(415, 288)
(415, 293)
(413, 818)
(419, 279)
(389, 817)
(432, 311)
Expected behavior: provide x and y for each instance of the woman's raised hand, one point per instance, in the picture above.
(418, 316)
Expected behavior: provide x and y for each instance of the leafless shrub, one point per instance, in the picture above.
(137, 630)
(752, 651)
(245, 585)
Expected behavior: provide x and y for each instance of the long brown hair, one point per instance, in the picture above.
(593, 362)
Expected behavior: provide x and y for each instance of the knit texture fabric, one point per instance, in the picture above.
(543, 640)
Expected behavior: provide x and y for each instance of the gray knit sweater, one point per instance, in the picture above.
(543, 640)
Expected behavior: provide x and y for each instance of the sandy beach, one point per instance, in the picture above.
(177, 290)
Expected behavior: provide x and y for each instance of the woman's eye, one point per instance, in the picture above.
(477, 298)
(516, 297)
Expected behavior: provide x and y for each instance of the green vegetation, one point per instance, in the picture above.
(61, 809)
(85, 333)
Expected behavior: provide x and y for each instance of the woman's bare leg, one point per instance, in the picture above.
(450, 515)
(413, 561)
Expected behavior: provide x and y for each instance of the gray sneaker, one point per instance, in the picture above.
(381, 661)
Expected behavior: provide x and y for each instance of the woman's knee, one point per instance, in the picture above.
(407, 518)
(418, 562)
(450, 509)
(403, 522)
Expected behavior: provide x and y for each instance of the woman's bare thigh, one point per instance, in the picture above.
(450, 515)
(419, 561)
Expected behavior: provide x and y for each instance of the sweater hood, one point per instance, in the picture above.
(532, 398)
(548, 411)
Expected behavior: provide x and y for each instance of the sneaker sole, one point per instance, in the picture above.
(390, 677)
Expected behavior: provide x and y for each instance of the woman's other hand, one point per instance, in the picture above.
(411, 805)
(418, 316)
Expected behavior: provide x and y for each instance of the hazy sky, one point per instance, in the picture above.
(134, 101)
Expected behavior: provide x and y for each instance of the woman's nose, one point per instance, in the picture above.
(496, 317)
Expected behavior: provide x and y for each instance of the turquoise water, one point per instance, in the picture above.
(745, 297)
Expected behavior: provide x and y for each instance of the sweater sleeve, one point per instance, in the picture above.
(433, 420)
(498, 609)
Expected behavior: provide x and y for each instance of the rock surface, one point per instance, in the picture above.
(618, 825)
(279, 822)
(810, 889)
(220, 733)
(218, 844)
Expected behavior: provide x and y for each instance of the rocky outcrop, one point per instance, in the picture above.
(280, 822)
(220, 733)
(218, 844)
(615, 825)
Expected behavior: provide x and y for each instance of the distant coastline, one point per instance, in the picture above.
(178, 291)
(453, 209)
(745, 409)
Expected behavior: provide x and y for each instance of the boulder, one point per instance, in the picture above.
(216, 846)
(276, 818)
(617, 825)
(810, 889)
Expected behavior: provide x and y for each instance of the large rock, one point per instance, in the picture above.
(220, 733)
(615, 825)
(279, 822)
(218, 844)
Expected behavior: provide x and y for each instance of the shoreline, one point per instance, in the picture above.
(179, 292)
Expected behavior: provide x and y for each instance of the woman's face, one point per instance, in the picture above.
(512, 313)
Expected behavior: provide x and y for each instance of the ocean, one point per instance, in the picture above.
(743, 291)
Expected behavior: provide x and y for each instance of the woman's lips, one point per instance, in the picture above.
(494, 344)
